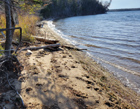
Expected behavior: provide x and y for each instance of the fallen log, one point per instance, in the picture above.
(72, 48)
(46, 40)
(42, 47)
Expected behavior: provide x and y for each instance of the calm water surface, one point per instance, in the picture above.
(112, 39)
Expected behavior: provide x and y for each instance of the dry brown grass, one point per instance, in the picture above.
(26, 22)
(2, 22)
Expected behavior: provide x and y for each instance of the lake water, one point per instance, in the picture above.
(112, 40)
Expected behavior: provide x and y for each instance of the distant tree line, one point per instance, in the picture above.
(67, 8)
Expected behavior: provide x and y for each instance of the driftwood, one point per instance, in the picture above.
(72, 48)
(46, 40)
(42, 47)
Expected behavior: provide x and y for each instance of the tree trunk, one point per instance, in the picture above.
(14, 16)
(8, 42)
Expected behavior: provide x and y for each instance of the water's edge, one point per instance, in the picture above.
(103, 63)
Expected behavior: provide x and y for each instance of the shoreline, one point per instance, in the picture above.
(90, 63)
(65, 78)
(114, 66)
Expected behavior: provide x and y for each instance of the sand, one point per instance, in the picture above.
(68, 79)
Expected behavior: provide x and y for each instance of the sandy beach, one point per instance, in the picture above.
(68, 79)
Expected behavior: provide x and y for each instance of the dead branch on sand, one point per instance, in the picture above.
(41, 39)
(41, 47)
(69, 47)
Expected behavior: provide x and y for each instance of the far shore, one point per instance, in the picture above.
(126, 9)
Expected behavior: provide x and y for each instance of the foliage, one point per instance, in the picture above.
(2, 22)
(27, 23)
(1, 48)
(26, 17)
(32, 6)
(31, 9)
(66, 8)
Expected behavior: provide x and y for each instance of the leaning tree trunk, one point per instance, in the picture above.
(8, 42)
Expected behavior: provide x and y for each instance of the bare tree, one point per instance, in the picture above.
(11, 21)
(8, 42)
(14, 16)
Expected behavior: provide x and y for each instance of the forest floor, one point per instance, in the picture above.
(66, 79)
